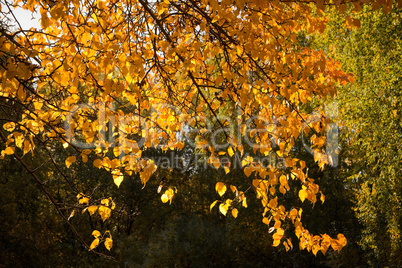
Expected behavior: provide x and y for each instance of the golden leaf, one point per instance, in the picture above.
(248, 170)
(276, 242)
(84, 158)
(9, 126)
(118, 179)
(273, 202)
(235, 212)
(230, 151)
(303, 194)
(98, 163)
(70, 160)
(105, 212)
(96, 233)
(286, 245)
(9, 150)
(71, 215)
(108, 243)
(322, 197)
(223, 208)
(92, 209)
(212, 205)
(94, 244)
(244, 202)
(84, 200)
(220, 188)
(233, 188)
(164, 198)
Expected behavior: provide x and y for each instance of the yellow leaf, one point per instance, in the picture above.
(315, 249)
(256, 183)
(284, 182)
(108, 243)
(220, 188)
(248, 171)
(322, 198)
(286, 245)
(84, 158)
(230, 151)
(223, 208)
(161, 9)
(215, 162)
(96, 233)
(98, 163)
(265, 220)
(118, 179)
(94, 244)
(273, 202)
(227, 169)
(212, 205)
(233, 188)
(247, 160)
(164, 198)
(9, 150)
(244, 202)
(235, 212)
(105, 201)
(38, 105)
(71, 215)
(84, 200)
(167, 196)
(112, 205)
(325, 243)
(92, 209)
(282, 190)
(277, 224)
(70, 160)
(272, 190)
(10, 126)
(239, 50)
(159, 188)
(105, 212)
(303, 194)
(279, 233)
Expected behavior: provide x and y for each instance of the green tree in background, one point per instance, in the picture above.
(370, 117)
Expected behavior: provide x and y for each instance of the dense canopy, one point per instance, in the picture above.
(118, 85)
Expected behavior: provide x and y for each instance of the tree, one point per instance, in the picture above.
(370, 116)
(108, 81)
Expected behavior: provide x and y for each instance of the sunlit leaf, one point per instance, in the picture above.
(92, 209)
(212, 205)
(94, 244)
(108, 243)
(10, 126)
(303, 194)
(220, 188)
(70, 160)
(235, 212)
(71, 215)
(96, 233)
(223, 208)
(9, 150)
